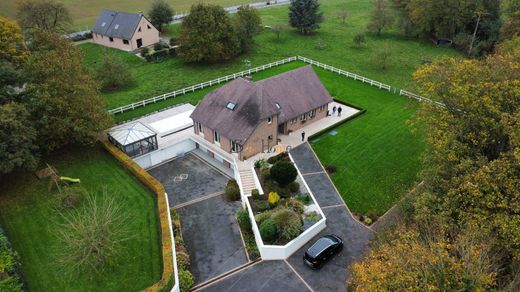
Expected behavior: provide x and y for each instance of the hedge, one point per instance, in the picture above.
(326, 130)
(162, 208)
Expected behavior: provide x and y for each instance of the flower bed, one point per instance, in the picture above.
(286, 209)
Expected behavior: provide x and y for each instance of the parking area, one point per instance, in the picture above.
(209, 227)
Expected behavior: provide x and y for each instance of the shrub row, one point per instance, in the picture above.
(280, 225)
(10, 267)
(186, 279)
(247, 232)
(162, 208)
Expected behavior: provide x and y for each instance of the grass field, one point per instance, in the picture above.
(27, 213)
(84, 13)
(376, 154)
(406, 54)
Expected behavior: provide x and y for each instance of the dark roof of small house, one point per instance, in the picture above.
(117, 24)
(296, 92)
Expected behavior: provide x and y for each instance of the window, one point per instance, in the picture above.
(278, 105)
(270, 120)
(148, 26)
(199, 127)
(303, 117)
(125, 42)
(231, 105)
(270, 137)
(139, 30)
(234, 147)
(216, 136)
(312, 114)
(111, 39)
(117, 26)
(103, 24)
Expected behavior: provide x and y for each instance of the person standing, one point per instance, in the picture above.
(339, 111)
(303, 136)
(333, 110)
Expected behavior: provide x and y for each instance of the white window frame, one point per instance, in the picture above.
(303, 117)
(200, 128)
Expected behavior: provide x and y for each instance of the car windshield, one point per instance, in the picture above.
(319, 246)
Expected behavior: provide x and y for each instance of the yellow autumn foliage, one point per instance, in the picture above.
(273, 198)
(12, 44)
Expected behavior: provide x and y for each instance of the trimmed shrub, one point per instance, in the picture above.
(186, 280)
(288, 223)
(243, 219)
(313, 217)
(259, 218)
(232, 192)
(261, 205)
(279, 157)
(158, 46)
(295, 205)
(145, 52)
(331, 168)
(294, 187)
(183, 260)
(273, 199)
(265, 171)
(283, 172)
(268, 230)
(305, 199)
(255, 193)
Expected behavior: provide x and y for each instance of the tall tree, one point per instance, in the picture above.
(511, 28)
(207, 35)
(113, 73)
(381, 16)
(160, 14)
(17, 138)
(247, 24)
(12, 43)
(43, 15)
(64, 99)
(305, 16)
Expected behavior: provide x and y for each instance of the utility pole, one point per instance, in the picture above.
(479, 13)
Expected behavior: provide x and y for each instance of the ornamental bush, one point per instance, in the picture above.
(268, 230)
(243, 220)
(283, 172)
(288, 223)
(186, 280)
(295, 205)
(255, 193)
(294, 187)
(232, 192)
(273, 199)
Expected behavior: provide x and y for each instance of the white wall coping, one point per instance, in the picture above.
(257, 182)
(176, 286)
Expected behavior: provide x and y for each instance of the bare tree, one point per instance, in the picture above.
(92, 234)
(342, 13)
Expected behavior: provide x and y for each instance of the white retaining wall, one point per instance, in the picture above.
(280, 252)
(176, 286)
(153, 158)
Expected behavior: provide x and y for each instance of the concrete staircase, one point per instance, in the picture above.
(247, 180)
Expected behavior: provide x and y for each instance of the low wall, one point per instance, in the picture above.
(153, 158)
(280, 252)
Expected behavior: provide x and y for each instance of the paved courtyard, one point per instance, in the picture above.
(209, 227)
(292, 274)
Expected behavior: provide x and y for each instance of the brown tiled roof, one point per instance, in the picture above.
(296, 92)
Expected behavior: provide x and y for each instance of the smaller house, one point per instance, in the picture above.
(124, 31)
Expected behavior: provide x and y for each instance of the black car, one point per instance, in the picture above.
(322, 250)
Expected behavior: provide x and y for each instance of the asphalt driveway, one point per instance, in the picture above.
(209, 227)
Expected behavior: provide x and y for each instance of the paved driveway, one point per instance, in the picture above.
(209, 227)
(334, 275)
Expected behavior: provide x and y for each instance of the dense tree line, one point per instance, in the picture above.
(463, 222)
(47, 98)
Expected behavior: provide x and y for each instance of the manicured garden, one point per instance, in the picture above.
(331, 44)
(31, 216)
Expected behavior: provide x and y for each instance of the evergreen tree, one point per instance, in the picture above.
(207, 35)
(160, 14)
(305, 16)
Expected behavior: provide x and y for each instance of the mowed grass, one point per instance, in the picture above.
(84, 13)
(406, 55)
(377, 156)
(28, 213)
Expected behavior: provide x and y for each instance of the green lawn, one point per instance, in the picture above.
(376, 154)
(27, 213)
(406, 54)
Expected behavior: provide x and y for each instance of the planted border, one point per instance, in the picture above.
(162, 208)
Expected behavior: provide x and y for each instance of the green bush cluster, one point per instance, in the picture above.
(243, 219)
(261, 205)
(268, 230)
(10, 279)
(186, 279)
(247, 232)
(288, 223)
(261, 163)
(232, 192)
(295, 205)
(284, 156)
(283, 172)
(294, 187)
(255, 193)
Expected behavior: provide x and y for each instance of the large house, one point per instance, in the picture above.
(245, 117)
(124, 31)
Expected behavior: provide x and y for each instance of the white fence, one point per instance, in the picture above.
(346, 73)
(419, 98)
(199, 86)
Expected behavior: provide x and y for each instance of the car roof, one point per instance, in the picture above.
(320, 245)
